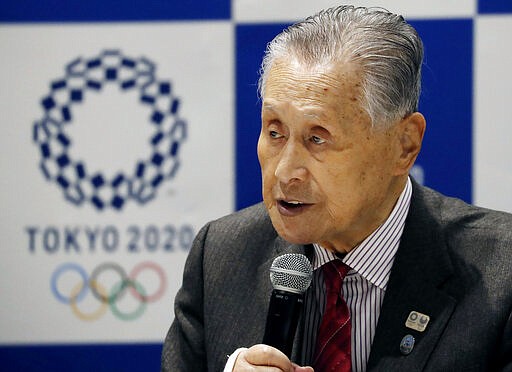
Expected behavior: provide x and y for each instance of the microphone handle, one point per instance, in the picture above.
(282, 319)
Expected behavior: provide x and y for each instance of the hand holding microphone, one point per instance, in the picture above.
(261, 357)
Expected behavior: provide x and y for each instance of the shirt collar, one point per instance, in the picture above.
(374, 256)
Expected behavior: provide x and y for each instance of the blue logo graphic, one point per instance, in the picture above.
(79, 185)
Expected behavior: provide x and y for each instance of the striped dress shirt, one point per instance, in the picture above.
(364, 286)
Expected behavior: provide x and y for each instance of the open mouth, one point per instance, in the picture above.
(291, 207)
(291, 204)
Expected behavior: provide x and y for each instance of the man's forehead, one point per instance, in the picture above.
(311, 88)
(291, 75)
(293, 65)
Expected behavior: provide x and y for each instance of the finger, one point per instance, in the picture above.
(297, 368)
(242, 365)
(264, 355)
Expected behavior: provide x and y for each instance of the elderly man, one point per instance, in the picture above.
(425, 280)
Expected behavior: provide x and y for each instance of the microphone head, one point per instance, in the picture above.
(291, 272)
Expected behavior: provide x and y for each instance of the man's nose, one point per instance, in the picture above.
(291, 166)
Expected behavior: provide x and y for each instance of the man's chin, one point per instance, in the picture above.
(293, 233)
(293, 237)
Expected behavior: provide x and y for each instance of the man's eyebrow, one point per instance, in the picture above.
(268, 106)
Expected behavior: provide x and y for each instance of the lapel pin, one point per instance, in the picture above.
(417, 321)
(407, 344)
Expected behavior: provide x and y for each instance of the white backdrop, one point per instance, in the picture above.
(110, 132)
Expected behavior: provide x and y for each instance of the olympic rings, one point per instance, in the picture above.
(107, 297)
(138, 311)
(91, 316)
(94, 278)
(159, 292)
(67, 267)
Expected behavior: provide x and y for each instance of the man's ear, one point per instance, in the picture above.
(411, 130)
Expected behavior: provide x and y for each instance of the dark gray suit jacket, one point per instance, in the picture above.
(454, 264)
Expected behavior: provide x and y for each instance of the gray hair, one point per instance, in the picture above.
(386, 48)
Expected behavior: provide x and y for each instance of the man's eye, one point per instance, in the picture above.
(274, 134)
(317, 140)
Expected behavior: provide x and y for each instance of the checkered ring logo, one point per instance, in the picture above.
(79, 184)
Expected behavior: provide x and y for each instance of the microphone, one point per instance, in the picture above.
(290, 275)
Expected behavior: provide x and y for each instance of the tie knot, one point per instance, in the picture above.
(334, 272)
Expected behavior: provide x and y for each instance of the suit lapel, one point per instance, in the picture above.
(421, 265)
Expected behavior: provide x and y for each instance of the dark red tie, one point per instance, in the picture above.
(333, 339)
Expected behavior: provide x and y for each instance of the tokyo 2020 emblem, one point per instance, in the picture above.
(81, 185)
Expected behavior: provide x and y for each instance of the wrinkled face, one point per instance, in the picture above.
(328, 177)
